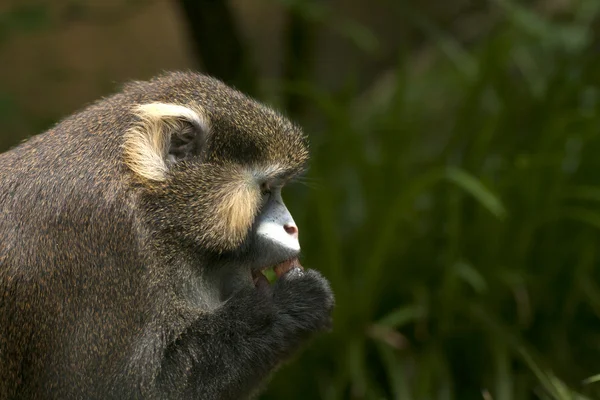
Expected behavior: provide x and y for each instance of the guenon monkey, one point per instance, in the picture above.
(132, 239)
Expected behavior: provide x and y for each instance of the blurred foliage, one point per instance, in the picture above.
(455, 209)
(453, 204)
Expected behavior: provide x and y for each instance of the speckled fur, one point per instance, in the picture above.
(112, 284)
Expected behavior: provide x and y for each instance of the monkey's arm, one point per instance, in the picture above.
(228, 353)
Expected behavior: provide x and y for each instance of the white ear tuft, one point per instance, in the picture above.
(146, 144)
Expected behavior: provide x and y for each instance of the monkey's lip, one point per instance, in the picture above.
(279, 269)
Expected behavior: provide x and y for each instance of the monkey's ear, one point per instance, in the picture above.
(163, 134)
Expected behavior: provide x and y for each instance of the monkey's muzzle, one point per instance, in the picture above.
(280, 269)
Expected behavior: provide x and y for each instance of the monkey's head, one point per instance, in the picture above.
(211, 164)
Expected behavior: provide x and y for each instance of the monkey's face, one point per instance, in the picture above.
(213, 168)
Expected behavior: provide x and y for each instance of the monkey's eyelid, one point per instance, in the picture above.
(265, 187)
(282, 178)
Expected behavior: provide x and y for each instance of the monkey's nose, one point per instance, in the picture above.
(291, 229)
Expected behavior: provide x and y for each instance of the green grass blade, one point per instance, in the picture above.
(477, 189)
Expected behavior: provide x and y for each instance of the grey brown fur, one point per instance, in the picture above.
(117, 287)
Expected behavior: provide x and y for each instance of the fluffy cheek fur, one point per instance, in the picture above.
(211, 206)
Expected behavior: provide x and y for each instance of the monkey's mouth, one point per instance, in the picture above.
(259, 278)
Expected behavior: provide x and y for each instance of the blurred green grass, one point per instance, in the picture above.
(455, 208)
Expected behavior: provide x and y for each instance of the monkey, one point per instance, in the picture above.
(133, 239)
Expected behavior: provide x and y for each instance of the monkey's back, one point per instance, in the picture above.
(67, 251)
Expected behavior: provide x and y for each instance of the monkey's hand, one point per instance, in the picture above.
(231, 351)
(303, 302)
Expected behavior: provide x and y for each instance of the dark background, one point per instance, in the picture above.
(454, 190)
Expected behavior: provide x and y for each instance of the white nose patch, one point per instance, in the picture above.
(272, 222)
(273, 231)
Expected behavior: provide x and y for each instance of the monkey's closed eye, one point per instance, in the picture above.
(265, 190)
